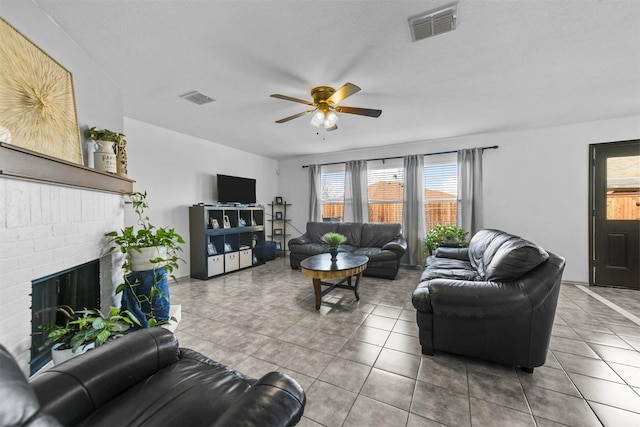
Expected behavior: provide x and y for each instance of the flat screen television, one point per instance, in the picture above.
(234, 189)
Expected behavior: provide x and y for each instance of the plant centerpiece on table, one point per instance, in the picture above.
(150, 258)
(444, 235)
(334, 240)
(85, 329)
(110, 154)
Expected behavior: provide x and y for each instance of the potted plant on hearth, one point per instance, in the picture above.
(444, 235)
(84, 330)
(334, 240)
(150, 258)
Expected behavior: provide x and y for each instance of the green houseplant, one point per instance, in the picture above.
(150, 256)
(443, 235)
(334, 240)
(103, 135)
(85, 329)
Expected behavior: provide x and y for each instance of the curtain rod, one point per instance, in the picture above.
(493, 147)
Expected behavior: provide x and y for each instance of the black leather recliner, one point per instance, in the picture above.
(495, 300)
(383, 243)
(144, 379)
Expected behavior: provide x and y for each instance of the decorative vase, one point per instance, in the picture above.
(121, 157)
(139, 299)
(334, 254)
(146, 276)
(141, 261)
(104, 158)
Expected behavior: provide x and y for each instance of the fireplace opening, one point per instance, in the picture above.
(78, 287)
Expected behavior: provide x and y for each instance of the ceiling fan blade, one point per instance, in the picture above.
(289, 98)
(345, 91)
(360, 111)
(295, 116)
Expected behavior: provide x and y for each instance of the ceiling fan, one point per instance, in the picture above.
(325, 101)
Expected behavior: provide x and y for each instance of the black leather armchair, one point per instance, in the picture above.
(495, 300)
(144, 379)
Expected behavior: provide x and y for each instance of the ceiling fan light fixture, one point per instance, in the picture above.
(325, 103)
(330, 119)
(317, 118)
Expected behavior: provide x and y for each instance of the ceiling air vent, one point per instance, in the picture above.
(433, 23)
(197, 97)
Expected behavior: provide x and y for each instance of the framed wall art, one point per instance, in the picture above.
(37, 103)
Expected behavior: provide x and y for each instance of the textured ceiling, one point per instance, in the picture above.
(509, 65)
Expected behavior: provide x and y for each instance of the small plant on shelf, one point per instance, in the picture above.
(103, 135)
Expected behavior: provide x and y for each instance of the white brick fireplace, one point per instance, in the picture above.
(46, 228)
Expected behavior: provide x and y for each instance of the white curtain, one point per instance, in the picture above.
(470, 189)
(315, 202)
(356, 207)
(413, 221)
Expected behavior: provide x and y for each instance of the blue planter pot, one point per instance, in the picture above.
(138, 300)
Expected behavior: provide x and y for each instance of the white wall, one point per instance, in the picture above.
(178, 170)
(535, 185)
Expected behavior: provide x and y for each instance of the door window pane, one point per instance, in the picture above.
(623, 187)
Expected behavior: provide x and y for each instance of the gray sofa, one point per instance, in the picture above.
(495, 300)
(383, 243)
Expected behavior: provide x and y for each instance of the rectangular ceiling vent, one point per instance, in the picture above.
(197, 97)
(433, 23)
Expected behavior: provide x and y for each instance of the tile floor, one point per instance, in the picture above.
(360, 362)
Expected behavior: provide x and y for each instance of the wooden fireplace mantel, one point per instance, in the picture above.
(20, 163)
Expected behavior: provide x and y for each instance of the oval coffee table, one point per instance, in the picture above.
(345, 267)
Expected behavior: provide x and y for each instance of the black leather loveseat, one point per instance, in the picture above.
(383, 243)
(495, 300)
(144, 379)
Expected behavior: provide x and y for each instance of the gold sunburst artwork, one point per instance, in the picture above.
(37, 104)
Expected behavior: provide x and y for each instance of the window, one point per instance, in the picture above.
(440, 189)
(332, 197)
(623, 187)
(385, 180)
